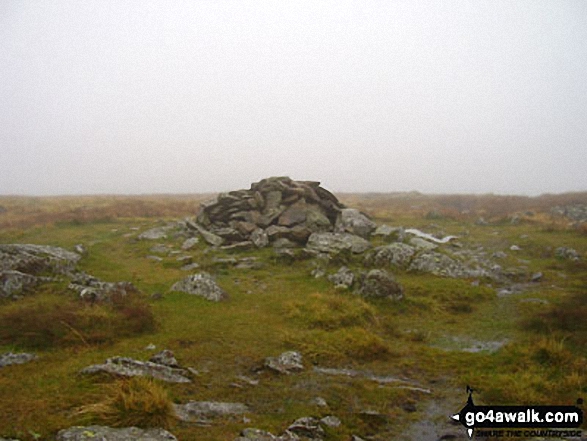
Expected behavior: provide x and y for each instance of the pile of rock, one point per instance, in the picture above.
(276, 208)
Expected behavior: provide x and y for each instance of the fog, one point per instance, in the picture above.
(133, 97)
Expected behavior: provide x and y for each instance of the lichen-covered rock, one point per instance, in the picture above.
(10, 358)
(103, 433)
(128, 367)
(337, 242)
(203, 285)
(379, 284)
(443, 265)
(252, 434)
(351, 220)
(286, 363)
(343, 278)
(259, 238)
(396, 254)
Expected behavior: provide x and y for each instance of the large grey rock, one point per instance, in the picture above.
(10, 358)
(351, 220)
(166, 358)
(337, 242)
(14, 283)
(379, 284)
(103, 433)
(343, 278)
(128, 367)
(198, 411)
(422, 244)
(93, 289)
(203, 285)
(396, 254)
(287, 363)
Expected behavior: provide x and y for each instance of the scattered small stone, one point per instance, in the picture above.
(95, 433)
(166, 358)
(93, 289)
(515, 248)
(536, 277)
(190, 267)
(199, 411)
(330, 421)
(343, 278)
(188, 244)
(186, 260)
(150, 347)
(155, 258)
(160, 249)
(567, 253)
(80, 249)
(10, 358)
(155, 233)
(287, 363)
(320, 402)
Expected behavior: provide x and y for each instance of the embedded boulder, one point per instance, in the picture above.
(343, 278)
(396, 254)
(272, 208)
(286, 363)
(203, 285)
(379, 284)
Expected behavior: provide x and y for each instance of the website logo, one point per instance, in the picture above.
(519, 417)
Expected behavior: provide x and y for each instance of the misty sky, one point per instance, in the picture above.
(115, 96)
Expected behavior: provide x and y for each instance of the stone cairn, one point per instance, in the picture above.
(271, 209)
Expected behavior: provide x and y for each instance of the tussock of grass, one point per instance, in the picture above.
(138, 401)
(332, 311)
(345, 345)
(57, 320)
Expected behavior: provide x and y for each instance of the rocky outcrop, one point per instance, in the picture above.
(202, 285)
(278, 207)
(567, 253)
(10, 358)
(93, 289)
(128, 367)
(23, 266)
(95, 433)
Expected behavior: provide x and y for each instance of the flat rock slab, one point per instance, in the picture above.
(11, 358)
(198, 411)
(128, 367)
(103, 433)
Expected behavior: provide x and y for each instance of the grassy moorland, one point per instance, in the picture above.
(282, 307)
